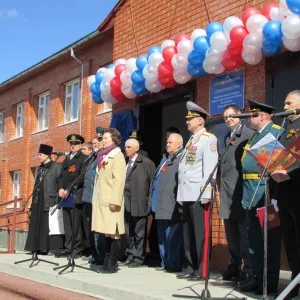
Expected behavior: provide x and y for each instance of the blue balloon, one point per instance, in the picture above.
(272, 31)
(201, 45)
(141, 62)
(196, 71)
(99, 77)
(272, 49)
(195, 58)
(95, 88)
(137, 77)
(154, 49)
(139, 88)
(97, 99)
(213, 27)
(294, 6)
(110, 66)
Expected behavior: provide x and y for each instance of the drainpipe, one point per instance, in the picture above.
(81, 88)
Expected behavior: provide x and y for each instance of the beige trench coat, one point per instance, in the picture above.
(109, 189)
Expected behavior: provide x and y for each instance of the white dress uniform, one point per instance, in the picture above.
(198, 160)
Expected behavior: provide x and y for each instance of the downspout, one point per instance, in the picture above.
(81, 88)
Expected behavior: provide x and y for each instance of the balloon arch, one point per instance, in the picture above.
(212, 51)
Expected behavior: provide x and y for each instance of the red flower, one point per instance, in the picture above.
(72, 169)
(164, 169)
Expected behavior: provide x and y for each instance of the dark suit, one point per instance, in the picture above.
(71, 169)
(288, 201)
(231, 193)
(137, 207)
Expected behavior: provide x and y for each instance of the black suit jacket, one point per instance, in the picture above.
(73, 169)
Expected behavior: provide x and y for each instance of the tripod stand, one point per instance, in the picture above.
(205, 295)
(71, 261)
(35, 259)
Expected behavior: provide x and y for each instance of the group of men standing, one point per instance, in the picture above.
(171, 193)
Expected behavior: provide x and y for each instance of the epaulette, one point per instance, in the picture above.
(276, 126)
(207, 133)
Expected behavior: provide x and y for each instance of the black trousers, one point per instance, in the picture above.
(72, 223)
(136, 237)
(196, 237)
(87, 223)
(256, 247)
(238, 243)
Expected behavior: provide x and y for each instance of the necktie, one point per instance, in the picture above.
(129, 167)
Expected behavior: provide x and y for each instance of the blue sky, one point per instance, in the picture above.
(32, 30)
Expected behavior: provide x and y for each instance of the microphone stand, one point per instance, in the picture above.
(205, 295)
(35, 259)
(263, 176)
(71, 261)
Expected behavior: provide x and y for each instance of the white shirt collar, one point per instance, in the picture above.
(260, 131)
(133, 158)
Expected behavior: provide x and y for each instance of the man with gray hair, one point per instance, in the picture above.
(163, 196)
(139, 173)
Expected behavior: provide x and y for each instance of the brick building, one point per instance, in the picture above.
(128, 31)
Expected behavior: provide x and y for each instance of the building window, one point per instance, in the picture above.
(16, 184)
(2, 126)
(71, 101)
(19, 120)
(43, 113)
(107, 106)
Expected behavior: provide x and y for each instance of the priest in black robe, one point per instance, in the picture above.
(44, 197)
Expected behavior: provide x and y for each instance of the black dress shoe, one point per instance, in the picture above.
(172, 271)
(251, 285)
(184, 275)
(134, 265)
(125, 263)
(231, 272)
(159, 269)
(270, 290)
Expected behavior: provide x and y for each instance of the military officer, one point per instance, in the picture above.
(287, 189)
(198, 160)
(251, 173)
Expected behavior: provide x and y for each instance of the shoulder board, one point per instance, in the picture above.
(207, 133)
(276, 126)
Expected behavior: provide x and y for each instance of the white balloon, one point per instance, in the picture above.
(182, 60)
(255, 23)
(252, 42)
(150, 74)
(283, 8)
(252, 58)
(125, 77)
(131, 64)
(231, 22)
(196, 33)
(91, 79)
(291, 44)
(274, 13)
(211, 68)
(181, 77)
(213, 56)
(167, 43)
(153, 86)
(291, 27)
(220, 69)
(108, 98)
(218, 41)
(109, 74)
(155, 59)
(102, 70)
(120, 61)
(185, 47)
(127, 91)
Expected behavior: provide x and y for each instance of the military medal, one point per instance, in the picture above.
(293, 132)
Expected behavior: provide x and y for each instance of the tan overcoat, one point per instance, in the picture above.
(109, 189)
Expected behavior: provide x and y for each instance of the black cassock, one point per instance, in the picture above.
(38, 238)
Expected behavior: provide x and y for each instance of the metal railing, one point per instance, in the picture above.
(11, 222)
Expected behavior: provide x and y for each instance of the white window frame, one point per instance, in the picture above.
(71, 95)
(16, 184)
(19, 120)
(107, 106)
(2, 120)
(43, 111)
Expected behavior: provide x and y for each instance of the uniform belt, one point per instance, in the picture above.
(251, 176)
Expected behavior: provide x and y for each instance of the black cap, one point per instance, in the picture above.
(100, 131)
(45, 149)
(75, 138)
(134, 134)
(257, 106)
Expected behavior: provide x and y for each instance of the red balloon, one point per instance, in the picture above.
(235, 49)
(115, 84)
(171, 83)
(231, 62)
(168, 53)
(119, 69)
(267, 8)
(181, 37)
(118, 95)
(165, 69)
(238, 34)
(247, 13)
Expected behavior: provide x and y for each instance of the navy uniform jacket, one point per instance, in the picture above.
(251, 170)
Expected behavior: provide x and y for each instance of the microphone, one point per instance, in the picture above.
(60, 153)
(287, 113)
(245, 116)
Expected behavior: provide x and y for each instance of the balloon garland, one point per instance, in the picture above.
(218, 48)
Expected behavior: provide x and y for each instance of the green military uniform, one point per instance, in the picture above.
(251, 175)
